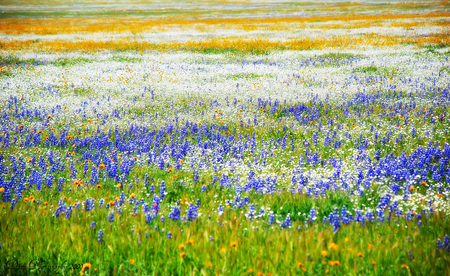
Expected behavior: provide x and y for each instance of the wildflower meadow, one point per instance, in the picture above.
(224, 137)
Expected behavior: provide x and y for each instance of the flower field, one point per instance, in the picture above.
(224, 138)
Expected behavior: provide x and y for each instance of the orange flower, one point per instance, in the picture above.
(2, 190)
(190, 241)
(423, 183)
(250, 270)
(369, 246)
(209, 264)
(260, 273)
(181, 247)
(438, 195)
(334, 246)
(374, 263)
(182, 254)
(119, 185)
(324, 253)
(338, 263)
(299, 264)
(112, 202)
(326, 271)
(99, 186)
(131, 261)
(412, 188)
(359, 254)
(101, 166)
(133, 196)
(234, 244)
(405, 266)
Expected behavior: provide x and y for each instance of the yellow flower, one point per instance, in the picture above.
(234, 244)
(131, 261)
(359, 254)
(112, 202)
(133, 196)
(119, 185)
(346, 239)
(324, 253)
(190, 241)
(182, 254)
(223, 250)
(2, 190)
(101, 166)
(181, 247)
(99, 186)
(85, 267)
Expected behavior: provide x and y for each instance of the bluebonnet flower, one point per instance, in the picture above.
(419, 219)
(251, 211)
(408, 216)
(60, 184)
(169, 235)
(220, 210)
(312, 215)
(148, 217)
(100, 236)
(211, 238)
(13, 203)
(447, 242)
(93, 224)
(175, 214)
(152, 189)
(122, 199)
(438, 245)
(287, 222)
(204, 189)
(162, 190)
(196, 175)
(69, 212)
(111, 217)
(192, 212)
(271, 218)
(336, 219)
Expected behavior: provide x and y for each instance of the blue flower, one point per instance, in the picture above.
(100, 236)
(111, 217)
(175, 214)
(192, 212)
